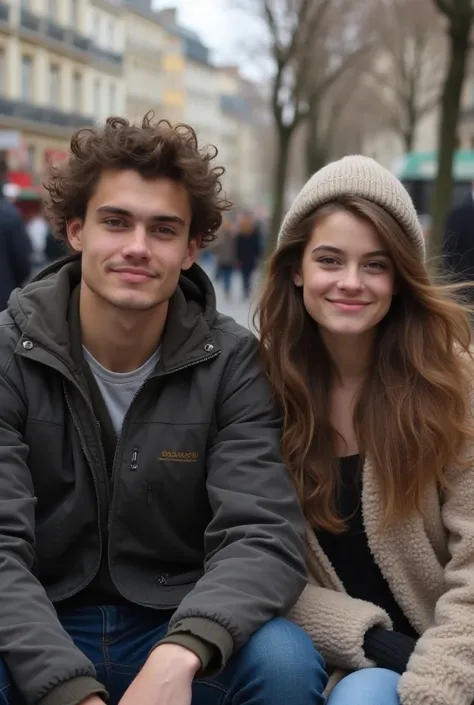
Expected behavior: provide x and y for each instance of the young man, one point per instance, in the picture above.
(149, 534)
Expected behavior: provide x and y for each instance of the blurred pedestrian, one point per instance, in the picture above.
(15, 248)
(248, 249)
(37, 228)
(458, 245)
(225, 254)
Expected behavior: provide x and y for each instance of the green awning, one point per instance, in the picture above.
(423, 166)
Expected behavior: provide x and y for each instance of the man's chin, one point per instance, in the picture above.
(134, 302)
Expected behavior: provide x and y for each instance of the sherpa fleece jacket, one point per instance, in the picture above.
(428, 562)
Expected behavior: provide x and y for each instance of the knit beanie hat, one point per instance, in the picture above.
(356, 176)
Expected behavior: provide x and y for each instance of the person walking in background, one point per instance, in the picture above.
(458, 244)
(38, 229)
(248, 249)
(372, 365)
(225, 255)
(15, 248)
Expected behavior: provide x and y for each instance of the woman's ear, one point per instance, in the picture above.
(297, 278)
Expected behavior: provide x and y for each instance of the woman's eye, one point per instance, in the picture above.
(328, 260)
(376, 265)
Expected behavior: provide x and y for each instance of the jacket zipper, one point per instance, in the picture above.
(119, 444)
(134, 461)
(89, 460)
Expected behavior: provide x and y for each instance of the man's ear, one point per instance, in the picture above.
(74, 233)
(194, 245)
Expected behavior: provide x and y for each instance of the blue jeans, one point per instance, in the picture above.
(277, 666)
(370, 686)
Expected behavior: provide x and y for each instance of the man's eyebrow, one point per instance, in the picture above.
(159, 217)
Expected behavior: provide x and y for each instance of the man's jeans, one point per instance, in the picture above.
(277, 666)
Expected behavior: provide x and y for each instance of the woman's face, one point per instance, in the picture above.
(347, 276)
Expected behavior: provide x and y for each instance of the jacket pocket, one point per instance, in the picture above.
(170, 580)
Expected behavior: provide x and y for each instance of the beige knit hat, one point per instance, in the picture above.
(356, 176)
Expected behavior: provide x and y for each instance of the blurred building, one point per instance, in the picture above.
(203, 106)
(61, 68)
(243, 144)
(155, 64)
(169, 69)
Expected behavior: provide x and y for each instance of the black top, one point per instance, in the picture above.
(349, 552)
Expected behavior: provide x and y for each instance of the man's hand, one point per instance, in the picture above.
(165, 679)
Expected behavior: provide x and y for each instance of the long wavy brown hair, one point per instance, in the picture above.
(413, 415)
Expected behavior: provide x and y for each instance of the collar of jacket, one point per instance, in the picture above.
(40, 312)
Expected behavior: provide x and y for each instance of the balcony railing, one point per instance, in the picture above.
(55, 31)
(105, 54)
(75, 40)
(80, 41)
(30, 21)
(4, 12)
(23, 110)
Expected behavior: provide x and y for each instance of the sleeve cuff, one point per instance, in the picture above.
(206, 653)
(211, 642)
(74, 691)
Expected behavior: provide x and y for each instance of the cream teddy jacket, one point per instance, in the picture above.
(429, 565)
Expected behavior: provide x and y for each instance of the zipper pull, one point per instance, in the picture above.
(134, 461)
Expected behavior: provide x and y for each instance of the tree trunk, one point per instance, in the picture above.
(409, 139)
(316, 153)
(450, 109)
(284, 136)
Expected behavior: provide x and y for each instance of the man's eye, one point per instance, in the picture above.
(114, 222)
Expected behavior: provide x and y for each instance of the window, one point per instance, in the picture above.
(54, 85)
(26, 77)
(2, 71)
(77, 91)
(111, 34)
(95, 29)
(52, 9)
(97, 102)
(74, 15)
(112, 98)
(25, 4)
(31, 156)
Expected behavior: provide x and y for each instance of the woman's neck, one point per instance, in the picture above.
(350, 355)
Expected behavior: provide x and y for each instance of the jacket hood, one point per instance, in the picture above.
(40, 310)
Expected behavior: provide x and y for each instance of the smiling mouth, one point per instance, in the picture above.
(133, 275)
(349, 305)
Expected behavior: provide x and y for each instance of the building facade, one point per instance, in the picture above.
(61, 68)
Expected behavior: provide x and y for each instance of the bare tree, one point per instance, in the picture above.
(327, 127)
(293, 28)
(347, 44)
(406, 75)
(459, 16)
(310, 43)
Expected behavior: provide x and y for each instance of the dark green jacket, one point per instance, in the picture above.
(201, 515)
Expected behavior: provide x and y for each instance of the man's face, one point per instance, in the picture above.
(134, 239)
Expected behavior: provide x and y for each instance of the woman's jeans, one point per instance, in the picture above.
(370, 686)
(277, 666)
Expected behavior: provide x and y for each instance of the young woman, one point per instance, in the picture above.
(371, 364)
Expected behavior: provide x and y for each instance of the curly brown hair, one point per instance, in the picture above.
(154, 149)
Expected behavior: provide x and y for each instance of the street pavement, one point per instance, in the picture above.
(236, 306)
